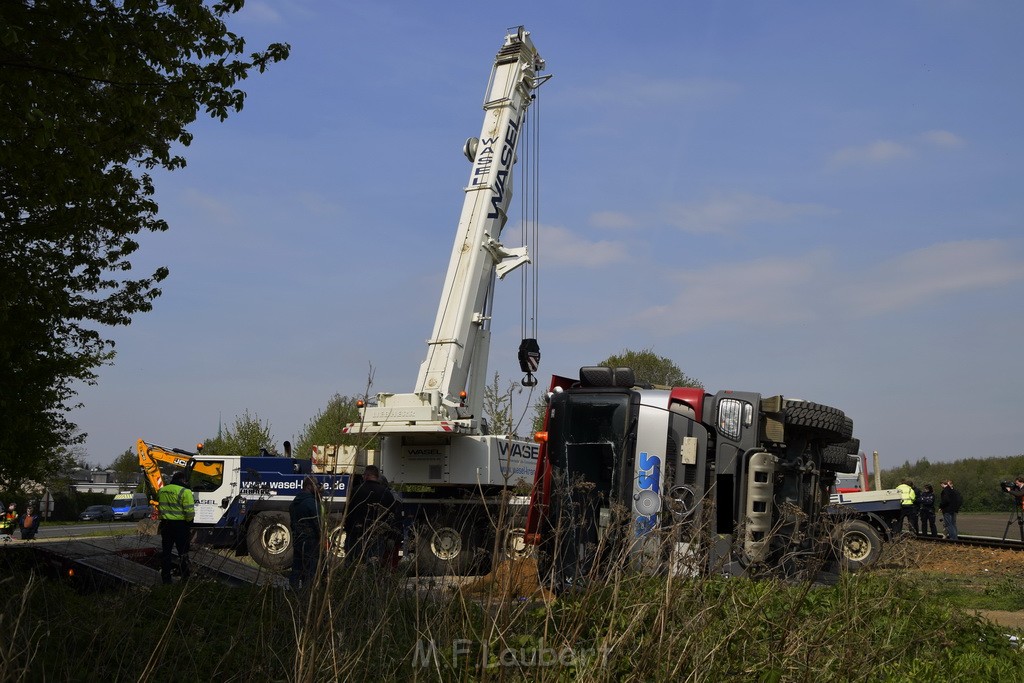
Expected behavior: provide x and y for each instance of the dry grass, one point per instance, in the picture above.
(364, 623)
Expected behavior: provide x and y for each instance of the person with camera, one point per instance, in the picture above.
(1016, 489)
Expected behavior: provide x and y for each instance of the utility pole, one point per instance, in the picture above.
(878, 472)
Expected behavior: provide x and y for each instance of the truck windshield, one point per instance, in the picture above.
(586, 433)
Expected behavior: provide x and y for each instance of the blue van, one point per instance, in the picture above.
(132, 506)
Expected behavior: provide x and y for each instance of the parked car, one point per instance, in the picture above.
(99, 513)
(133, 506)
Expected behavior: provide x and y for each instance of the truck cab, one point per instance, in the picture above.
(678, 479)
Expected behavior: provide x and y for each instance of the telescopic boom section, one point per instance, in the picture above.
(457, 350)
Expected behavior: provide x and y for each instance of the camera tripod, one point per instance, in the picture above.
(1016, 513)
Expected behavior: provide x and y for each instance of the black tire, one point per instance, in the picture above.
(823, 422)
(515, 546)
(335, 538)
(448, 544)
(269, 539)
(841, 457)
(859, 545)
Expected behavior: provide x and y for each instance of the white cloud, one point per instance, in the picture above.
(318, 205)
(764, 292)
(562, 247)
(614, 220)
(217, 211)
(924, 275)
(942, 138)
(882, 152)
(877, 152)
(724, 212)
(260, 13)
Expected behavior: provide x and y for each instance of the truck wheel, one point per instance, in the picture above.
(447, 545)
(269, 539)
(515, 546)
(859, 545)
(335, 537)
(828, 423)
(837, 458)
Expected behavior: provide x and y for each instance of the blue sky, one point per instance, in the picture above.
(822, 200)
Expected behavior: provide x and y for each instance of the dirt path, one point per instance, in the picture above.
(986, 564)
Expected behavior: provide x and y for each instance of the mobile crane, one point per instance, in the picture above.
(434, 442)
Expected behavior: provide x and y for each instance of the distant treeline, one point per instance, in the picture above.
(977, 479)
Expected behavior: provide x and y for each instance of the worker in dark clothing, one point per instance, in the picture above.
(950, 502)
(177, 509)
(927, 501)
(1016, 489)
(29, 524)
(306, 512)
(373, 520)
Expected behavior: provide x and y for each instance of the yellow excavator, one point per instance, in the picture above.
(152, 456)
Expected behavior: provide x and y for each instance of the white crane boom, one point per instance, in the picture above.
(457, 350)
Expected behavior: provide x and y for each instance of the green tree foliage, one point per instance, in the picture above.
(248, 436)
(325, 427)
(125, 466)
(976, 478)
(650, 368)
(499, 405)
(94, 95)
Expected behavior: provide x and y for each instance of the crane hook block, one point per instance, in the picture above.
(529, 360)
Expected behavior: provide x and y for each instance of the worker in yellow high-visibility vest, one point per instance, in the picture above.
(177, 509)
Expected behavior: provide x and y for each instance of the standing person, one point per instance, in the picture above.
(306, 514)
(373, 520)
(907, 499)
(8, 521)
(950, 501)
(928, 511)
(177, 509)
(915, 509)
(1016, 489)
(29, 524)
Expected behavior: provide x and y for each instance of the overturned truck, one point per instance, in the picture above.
(679, 479)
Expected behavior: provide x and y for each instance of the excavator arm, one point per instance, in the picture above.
(151, 456)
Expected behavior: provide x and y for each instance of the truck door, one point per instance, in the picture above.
(212, 490)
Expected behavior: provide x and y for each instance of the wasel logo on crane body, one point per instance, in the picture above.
(518, 450)
(485, 158)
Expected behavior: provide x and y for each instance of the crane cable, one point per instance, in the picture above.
(529, 350)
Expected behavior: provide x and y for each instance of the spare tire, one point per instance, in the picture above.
(840, 457)
(824, 422)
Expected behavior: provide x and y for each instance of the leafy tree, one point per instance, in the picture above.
(325, 428)
(977, 479)
(126, 466)
(248, 436)
(94, 95)
(650, 368)
(498, 407)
